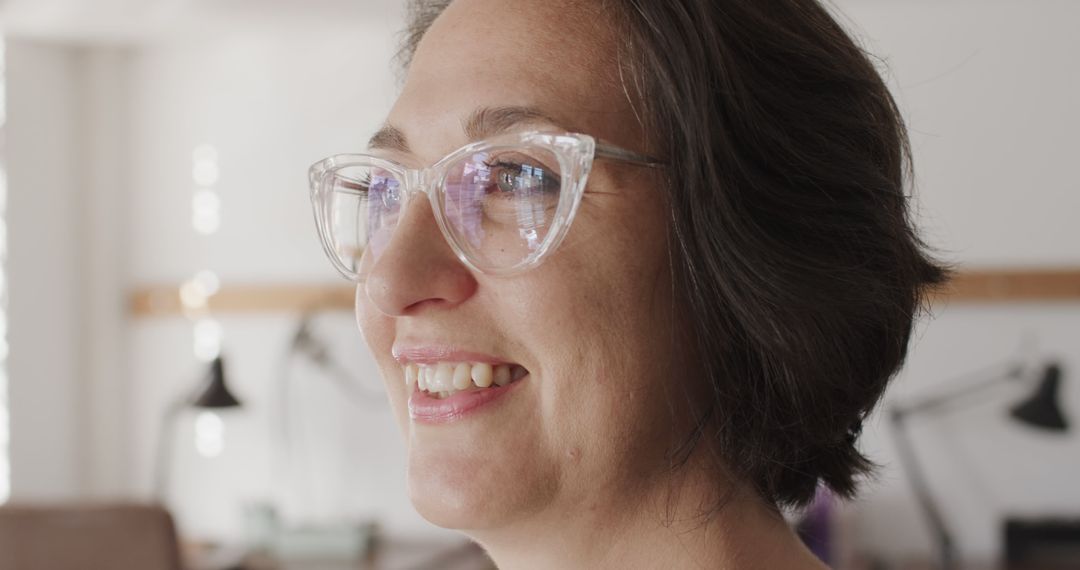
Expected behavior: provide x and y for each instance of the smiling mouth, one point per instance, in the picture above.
(444, 379)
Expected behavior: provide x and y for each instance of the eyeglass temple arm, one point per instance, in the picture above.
(605, 150)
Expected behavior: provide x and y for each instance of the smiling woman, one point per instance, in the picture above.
(661, 269)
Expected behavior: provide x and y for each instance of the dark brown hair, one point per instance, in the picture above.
(795, 252)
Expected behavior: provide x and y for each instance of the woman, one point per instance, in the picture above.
(633, 272)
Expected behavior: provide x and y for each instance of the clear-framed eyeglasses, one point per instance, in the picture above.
(502, 204)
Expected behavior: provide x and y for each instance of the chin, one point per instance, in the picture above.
(464, 488)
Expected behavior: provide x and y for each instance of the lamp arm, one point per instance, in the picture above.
(998, 375)
(911, 466)
(165, 439)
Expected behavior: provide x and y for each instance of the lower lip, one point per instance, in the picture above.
(427, 410)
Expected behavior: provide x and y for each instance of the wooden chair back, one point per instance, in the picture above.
(65, 537)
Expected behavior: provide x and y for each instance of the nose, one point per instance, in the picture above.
(417, 270)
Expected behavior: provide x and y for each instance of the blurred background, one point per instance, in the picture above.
(157, 239)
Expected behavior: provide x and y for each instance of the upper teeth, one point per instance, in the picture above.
(447, 377)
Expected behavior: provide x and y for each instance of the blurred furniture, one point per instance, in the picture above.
(1039, 410)
(1050, 543)
(129, 537)
(924, 565)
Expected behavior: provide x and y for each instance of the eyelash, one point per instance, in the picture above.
(516, 168)
(364, 182)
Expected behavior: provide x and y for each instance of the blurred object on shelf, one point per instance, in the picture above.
(359, 547)
(268, 536)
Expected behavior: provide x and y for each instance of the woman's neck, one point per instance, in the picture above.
(654, 526)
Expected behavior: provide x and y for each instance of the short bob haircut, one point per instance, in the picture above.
(794, 251)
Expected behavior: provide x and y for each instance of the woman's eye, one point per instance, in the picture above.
(506, 180)
(511, 177)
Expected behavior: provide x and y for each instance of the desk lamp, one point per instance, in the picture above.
(214, 394)
(1040, 410)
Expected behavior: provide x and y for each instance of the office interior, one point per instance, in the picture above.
(172, 336)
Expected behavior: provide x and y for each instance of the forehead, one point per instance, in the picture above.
(557, 56)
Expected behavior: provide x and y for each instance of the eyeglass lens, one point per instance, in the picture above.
(498, 206)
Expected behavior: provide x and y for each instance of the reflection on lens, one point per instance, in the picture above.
(500, 204)
(363, 209)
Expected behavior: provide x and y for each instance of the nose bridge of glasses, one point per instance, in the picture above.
(417, 181)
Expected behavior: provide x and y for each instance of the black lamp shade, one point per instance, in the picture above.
(1042, 409)
(216, 394)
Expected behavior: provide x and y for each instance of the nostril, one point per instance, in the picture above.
(426, 304)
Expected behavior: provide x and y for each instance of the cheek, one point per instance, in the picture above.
(609, 358)
(609, 395)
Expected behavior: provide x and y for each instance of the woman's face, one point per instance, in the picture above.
(592, 326)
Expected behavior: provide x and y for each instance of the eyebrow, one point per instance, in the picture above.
(481, 123)
(389, 137)
(487, 121)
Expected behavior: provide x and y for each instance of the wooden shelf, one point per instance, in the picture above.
(1007, 286)
(166, 301)
(980, 286)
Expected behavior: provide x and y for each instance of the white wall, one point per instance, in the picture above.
(117, 126)
(43, 225)
(989, 89)
(271, 101)
(104, 155)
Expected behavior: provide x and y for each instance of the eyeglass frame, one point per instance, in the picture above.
(575, 153)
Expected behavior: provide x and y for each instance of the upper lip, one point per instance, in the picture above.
(434, 354)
